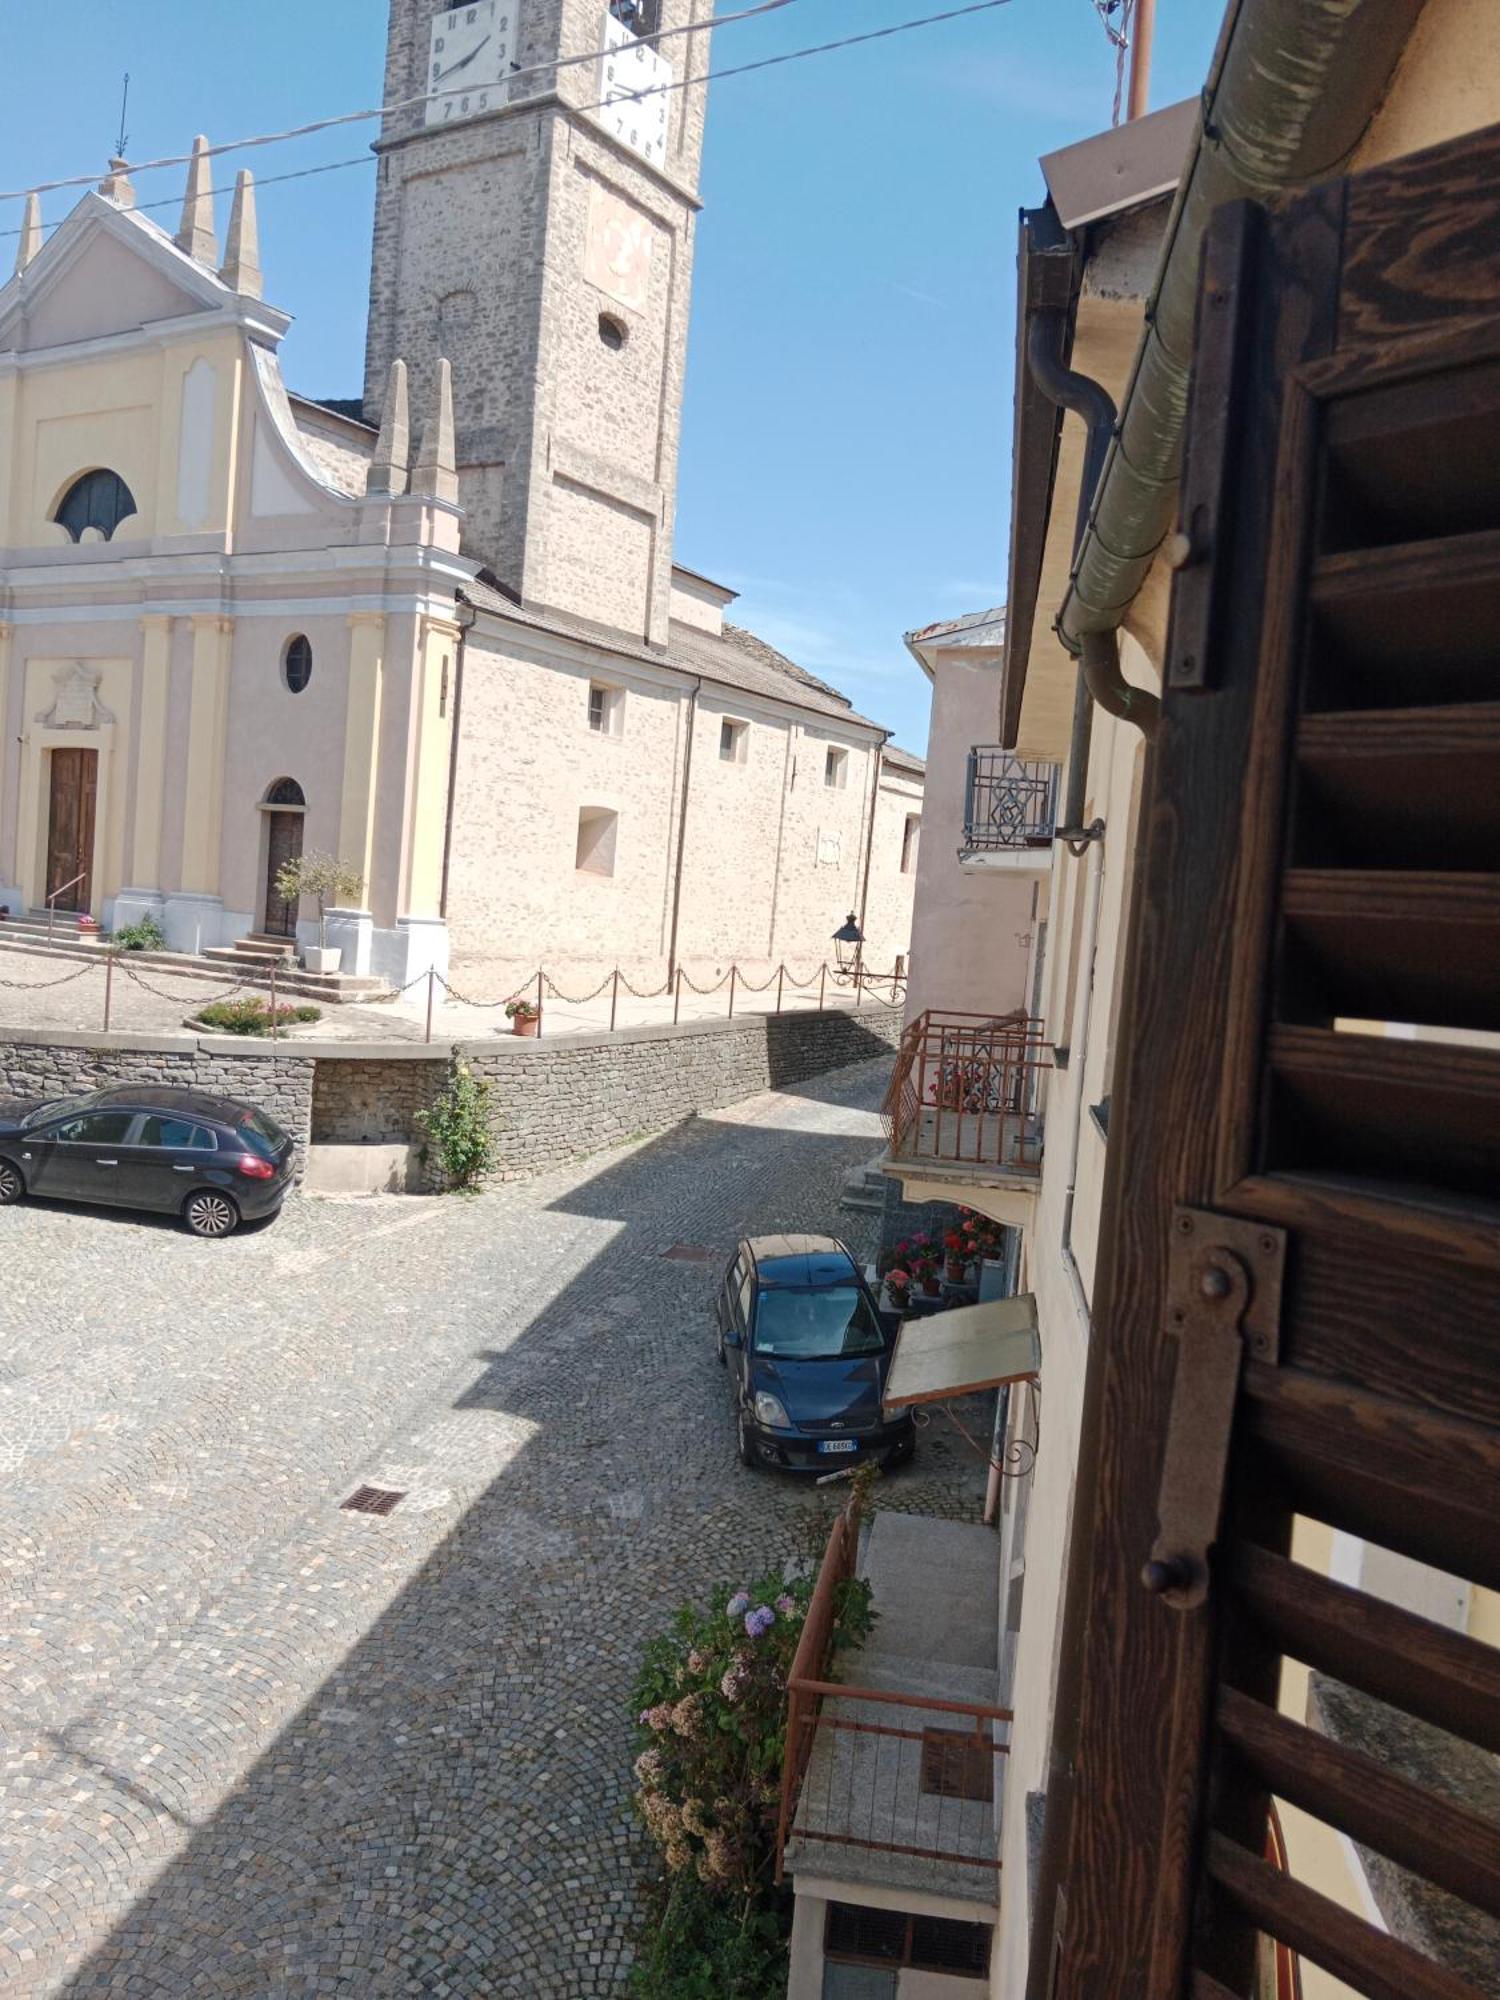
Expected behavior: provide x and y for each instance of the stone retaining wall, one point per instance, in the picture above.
(353, 1104)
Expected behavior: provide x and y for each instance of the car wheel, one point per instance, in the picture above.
(747, 1450)
(12, 1187)
(209, 1213)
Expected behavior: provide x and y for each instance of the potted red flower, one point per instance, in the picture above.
(956, 1262)
(925, 1263)
(898, 1287)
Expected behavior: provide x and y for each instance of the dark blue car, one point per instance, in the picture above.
(809, 1354)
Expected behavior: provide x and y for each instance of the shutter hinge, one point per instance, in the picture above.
(1223, 1296)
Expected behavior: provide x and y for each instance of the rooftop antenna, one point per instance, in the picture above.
(124, 138)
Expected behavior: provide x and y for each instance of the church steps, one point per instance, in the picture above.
(214, 967)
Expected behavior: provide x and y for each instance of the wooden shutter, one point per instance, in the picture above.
(1301, 1236)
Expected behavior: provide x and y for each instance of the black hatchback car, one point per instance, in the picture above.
(215, 1161)
(809, 1353)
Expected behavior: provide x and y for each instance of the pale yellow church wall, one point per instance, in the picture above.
(430, 741)
(273, 733)
(123, 412)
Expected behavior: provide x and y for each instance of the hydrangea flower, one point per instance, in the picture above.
(786, 1605)
(740, 1602)
(761, 1619)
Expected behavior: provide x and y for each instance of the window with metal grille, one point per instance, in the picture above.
(99, 500)
(857, 1935)
(606, 709)
(956, 1766)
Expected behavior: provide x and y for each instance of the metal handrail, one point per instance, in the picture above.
(62, 890)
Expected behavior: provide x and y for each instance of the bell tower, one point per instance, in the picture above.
(534, 226)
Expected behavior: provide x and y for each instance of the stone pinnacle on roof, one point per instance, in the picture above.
(116, 184)
(195, 232)
(240, 269)
(31, 232)
(435, 473)
(388, 468)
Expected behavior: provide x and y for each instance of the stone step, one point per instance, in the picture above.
(215, 968)
(246, 951)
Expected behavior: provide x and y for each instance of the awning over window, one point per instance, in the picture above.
(972, 1347)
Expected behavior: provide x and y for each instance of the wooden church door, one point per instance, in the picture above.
(1298, 1311)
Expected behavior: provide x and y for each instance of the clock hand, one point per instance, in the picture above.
(462, 63)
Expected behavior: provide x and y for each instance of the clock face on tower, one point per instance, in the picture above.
(469, 60)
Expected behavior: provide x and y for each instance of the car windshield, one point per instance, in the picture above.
(816, 1326)
(58, 1107)
(260, 1134)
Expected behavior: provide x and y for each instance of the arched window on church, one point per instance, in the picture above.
(285, 792)
(98, 499)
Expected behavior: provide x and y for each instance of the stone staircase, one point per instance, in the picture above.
(248, 959)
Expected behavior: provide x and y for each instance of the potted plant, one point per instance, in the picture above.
(525, 1016)
(328, 879)
(898, 1287)
(88, 927)
(925, 1261)
(956, 1262)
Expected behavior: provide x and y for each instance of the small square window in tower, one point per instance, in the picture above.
(909, 835)
(597, 829)
(734, 740)
(836, 768)
(606, 709)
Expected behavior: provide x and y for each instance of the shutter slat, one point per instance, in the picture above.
(1372, 1961)
(1399, 735)
(1384, 1109)
(1448, 1680)
(1444, 562)
(1413, 945)
(1389, 1471)
(1449, 1845)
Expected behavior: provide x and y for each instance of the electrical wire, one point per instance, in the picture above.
(518, 104)
(398, 103)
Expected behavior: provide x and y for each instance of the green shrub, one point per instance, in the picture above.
(251, 1017)
(457, 1126)
(145, 934)
(703, 1948)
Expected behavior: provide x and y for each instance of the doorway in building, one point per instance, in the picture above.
(74, 787)
(285, 808)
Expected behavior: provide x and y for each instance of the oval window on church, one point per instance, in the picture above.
(296, 663)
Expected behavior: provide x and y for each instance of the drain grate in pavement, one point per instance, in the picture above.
(372, 1500)
(692, 1253)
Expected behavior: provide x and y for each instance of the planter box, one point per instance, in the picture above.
(322, 958)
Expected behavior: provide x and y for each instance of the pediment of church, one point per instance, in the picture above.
(104, 270)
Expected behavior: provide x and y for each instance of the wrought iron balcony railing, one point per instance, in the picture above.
(1008, 803)
(965, 1092)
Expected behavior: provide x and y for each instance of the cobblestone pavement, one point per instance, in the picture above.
(253, 1744)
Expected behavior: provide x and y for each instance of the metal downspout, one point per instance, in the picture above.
(687, 779)
(465, 627)
(1045, 338)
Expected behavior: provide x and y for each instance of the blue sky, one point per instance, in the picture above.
(846, 436)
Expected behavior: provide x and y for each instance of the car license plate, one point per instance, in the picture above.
(838, 1444)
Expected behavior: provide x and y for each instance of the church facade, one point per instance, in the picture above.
(438, 630)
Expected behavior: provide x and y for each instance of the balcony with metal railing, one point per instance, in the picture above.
(965, 1101)
(1010, 811)
(894, 1772)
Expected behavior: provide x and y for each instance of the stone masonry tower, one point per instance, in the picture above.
(544, 246)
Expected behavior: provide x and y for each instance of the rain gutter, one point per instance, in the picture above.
(1290, 94)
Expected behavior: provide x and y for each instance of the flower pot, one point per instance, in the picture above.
(322, 958)
(955, 1269)
(931, 1289)
(525, 1024)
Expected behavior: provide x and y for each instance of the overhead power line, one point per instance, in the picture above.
(633, 96)
(397, 103)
